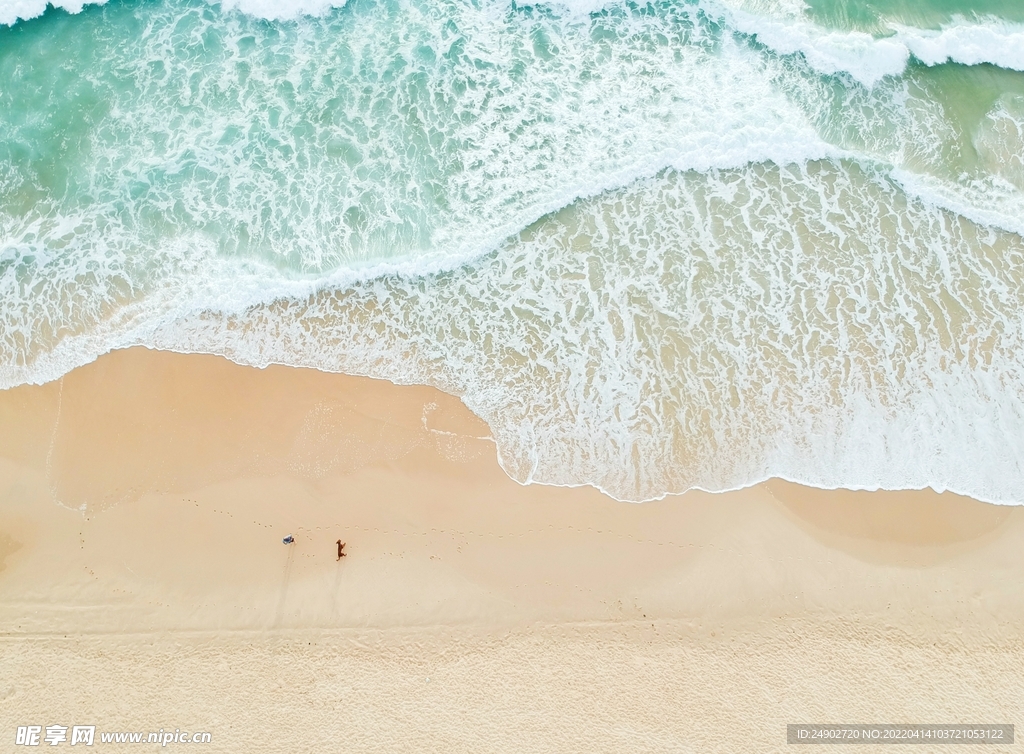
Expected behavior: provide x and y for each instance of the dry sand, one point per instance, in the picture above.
(144, 584)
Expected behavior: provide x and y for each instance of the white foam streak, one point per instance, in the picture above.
(969, 43)
(866, 59)
(281, 10)
(869, 59)
(986, 201)
(777, 25)
(704, 330)
(499, 216)
(12, 11)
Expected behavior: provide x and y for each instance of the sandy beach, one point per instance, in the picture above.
(144, 584)
(515, 266)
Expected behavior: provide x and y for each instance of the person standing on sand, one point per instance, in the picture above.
(341, 549)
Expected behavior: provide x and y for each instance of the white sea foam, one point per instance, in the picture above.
(703, 330)
(988, 200)
(277, 10)
(694, 330)
(999, 140)
(12, 11)
(777, 24)
(355, 194)
(869, 59)
(993, 195)
(649, 255)
(967, 42)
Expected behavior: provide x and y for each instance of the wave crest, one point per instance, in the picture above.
(869, 59)
(13, 11)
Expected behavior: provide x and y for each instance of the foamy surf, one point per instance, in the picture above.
(664, 337)
(12, 11)
(868, 58)
(656, 247)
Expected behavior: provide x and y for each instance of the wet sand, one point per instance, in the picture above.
(144, 583)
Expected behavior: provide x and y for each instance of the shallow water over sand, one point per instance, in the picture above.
(655, 246)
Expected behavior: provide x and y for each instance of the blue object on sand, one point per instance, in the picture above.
(288, 540)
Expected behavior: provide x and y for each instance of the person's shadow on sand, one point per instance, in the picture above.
(284, 586)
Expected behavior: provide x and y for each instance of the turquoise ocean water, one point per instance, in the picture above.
(656, 246)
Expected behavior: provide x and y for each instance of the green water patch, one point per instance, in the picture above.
(935, 120)
(971, 98)
(384, 130)
(876, 16)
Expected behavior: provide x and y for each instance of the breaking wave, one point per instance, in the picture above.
(656, 246)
